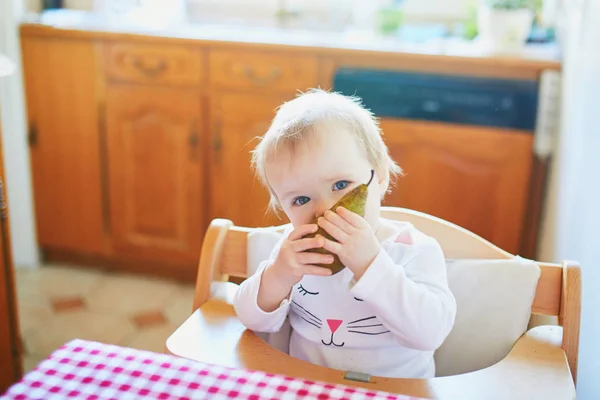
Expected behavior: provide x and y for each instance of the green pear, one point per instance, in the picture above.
(355, 201)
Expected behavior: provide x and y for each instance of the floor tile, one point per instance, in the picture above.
(45, 282)
(72, 303)
(180, 308)
(33, 316)
(131, 294)
(152, 339)
(148, 319)
(86, 325)
(58, 304)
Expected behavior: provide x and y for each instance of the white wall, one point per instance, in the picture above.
(571, 228)
(16, 154)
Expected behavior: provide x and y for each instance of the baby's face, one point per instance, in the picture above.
(322, 169)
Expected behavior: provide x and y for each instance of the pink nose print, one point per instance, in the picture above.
(334, 324)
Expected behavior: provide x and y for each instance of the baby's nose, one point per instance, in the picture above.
(321, 208)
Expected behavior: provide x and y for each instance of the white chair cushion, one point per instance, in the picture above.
(260, 243)
(493, 299)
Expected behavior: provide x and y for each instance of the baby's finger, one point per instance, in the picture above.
(314, 258)
(332, 229)
(301, 245)
(314, 270)
(302, 231)
(332, 246)
(338, 221)
(352, 218)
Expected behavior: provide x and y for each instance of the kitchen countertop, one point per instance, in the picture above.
(536, 56)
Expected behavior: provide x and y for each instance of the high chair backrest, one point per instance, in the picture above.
(558, 292)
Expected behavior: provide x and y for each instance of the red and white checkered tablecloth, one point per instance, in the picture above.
(91, 370)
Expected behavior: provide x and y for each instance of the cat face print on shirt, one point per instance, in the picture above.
(324, 311)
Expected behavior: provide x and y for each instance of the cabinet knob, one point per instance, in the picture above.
(32, 135)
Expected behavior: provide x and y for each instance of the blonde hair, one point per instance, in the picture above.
(302, 116)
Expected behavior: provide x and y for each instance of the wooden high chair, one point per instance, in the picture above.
(541, 365)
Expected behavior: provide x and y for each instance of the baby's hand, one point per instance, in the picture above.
(356, 246)
(292, 262)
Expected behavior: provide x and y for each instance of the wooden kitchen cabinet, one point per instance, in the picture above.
(138, 142)
(155, 153)
(235, 193)
(63, 114)
(476, 177)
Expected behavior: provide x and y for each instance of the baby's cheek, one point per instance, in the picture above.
(298, 217)
(372, 210)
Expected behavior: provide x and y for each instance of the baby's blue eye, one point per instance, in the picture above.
(300, 200)
(340, 185)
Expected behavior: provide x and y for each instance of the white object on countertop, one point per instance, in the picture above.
(111, 7)
(7, 67)
(364, 14)
(503, 30)
(155, 13)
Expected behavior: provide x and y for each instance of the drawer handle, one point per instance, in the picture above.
(216, 142)
(193, 141)
(150, 71)
(262, 80)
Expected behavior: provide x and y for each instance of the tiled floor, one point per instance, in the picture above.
(59, 303)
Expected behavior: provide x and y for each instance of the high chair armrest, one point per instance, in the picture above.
(536, 368)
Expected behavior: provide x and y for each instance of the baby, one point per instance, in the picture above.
(390, 308)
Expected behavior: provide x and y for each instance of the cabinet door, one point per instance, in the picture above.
(238, 119)
(155, 162)
(60, 81)
(475, 177)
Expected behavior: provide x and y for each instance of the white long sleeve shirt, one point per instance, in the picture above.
(388, 323)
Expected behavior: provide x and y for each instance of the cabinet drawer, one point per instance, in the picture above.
(175, 65)
(249, 70)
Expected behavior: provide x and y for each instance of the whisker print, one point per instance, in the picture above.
(311, 314)
(361, 320)
(305, 313)
(310, 322)
(369, 333)
(364, 326)
(300, 311)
